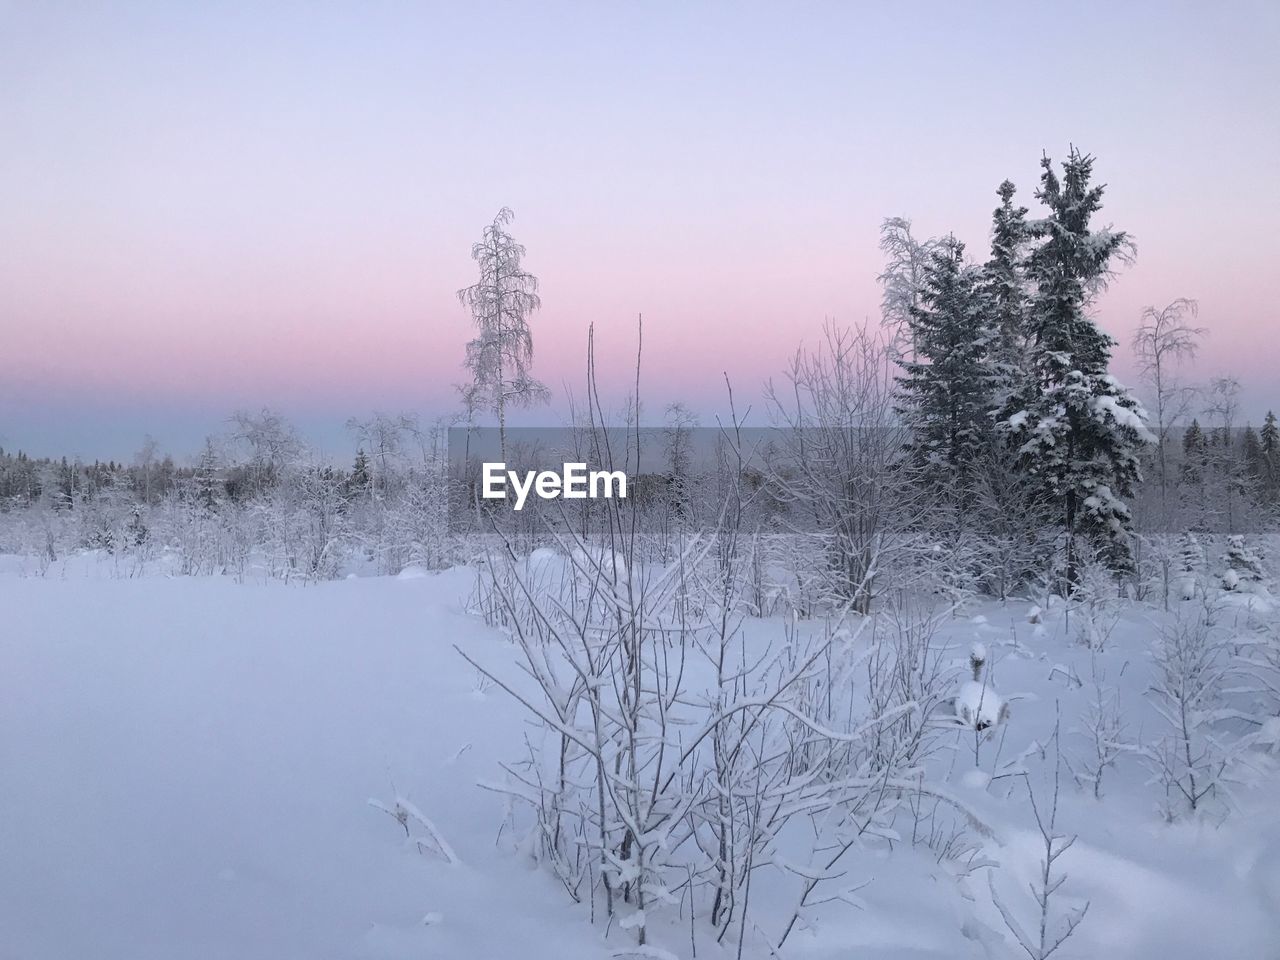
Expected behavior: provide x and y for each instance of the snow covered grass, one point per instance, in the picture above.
(199, 768)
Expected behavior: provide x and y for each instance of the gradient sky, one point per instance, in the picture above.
(213, 206)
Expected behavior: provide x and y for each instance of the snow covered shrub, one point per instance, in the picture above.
(909, 665)
(949, 565)
(680, 752)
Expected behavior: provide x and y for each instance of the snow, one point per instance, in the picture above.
(189, 764)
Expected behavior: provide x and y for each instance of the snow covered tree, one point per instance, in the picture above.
(360, 481)
(1269, 446)
(1228, 486)
(273, 447)
(1270, 436)
(501, 354)
(1004, 277)
(1252, 448)
(385, 437)
(906, 264)
(207, 483)
(840, 454)
(1243, 566)
(1193, 442)
(1082, 431)
(1192, 555)
(946, 386)
(1164, 340)
(1190, 565)
(1187, 756)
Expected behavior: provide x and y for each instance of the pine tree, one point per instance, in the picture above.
(1082, 431)
(946, 388)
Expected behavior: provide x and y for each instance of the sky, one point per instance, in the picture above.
(208, 207)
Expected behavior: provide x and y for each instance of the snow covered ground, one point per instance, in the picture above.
(186, 765)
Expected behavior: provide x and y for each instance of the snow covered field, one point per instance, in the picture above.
(186, 765)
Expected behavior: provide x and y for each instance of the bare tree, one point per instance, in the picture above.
(273, 444)
(906, 263)
(839, 454)
(501, 354)
(384, 435)
(1165, 340)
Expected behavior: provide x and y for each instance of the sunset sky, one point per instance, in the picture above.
(212, 206)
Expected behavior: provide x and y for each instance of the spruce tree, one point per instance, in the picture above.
(1243, 566)
(361, 481)
(1270, 435)
(206, 477)
(1193, 443)
(1251, 450)
(1082, 431)
(946, 387)
(1004, 281)
(1269, 442)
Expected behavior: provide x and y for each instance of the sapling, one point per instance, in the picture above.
(1102, 729)
(1053, 929)
(1191, 760)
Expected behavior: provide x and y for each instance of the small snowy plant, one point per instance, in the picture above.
(428, 839)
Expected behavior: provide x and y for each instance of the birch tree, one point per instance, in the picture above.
(501, 355)
(1164, 340)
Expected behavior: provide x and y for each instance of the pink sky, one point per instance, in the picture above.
(206, 210)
